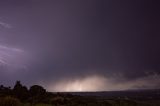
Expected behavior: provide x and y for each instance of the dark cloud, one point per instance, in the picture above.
(75, 39)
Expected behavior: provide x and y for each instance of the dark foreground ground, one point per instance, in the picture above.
(114, 98)
(36, 95)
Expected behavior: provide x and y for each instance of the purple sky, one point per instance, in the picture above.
(72, 43)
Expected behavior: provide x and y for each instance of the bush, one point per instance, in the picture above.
(9, 101)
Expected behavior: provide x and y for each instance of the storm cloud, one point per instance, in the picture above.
(65, 44)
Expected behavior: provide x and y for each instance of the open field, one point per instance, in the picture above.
(64, 99)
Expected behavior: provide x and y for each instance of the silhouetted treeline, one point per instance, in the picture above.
(35, 93)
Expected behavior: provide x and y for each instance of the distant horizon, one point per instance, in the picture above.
(136, 89)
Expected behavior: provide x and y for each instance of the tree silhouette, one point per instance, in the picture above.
(20, 91)
(37, 93)
(5, 90)
(36, 90)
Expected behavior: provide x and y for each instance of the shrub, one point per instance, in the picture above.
(9, 101)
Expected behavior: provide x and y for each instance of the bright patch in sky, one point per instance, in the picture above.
(5, 25)
(92, 83)
(100, 83)
(12, 57)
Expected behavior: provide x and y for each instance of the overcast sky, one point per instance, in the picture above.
(80, 45)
